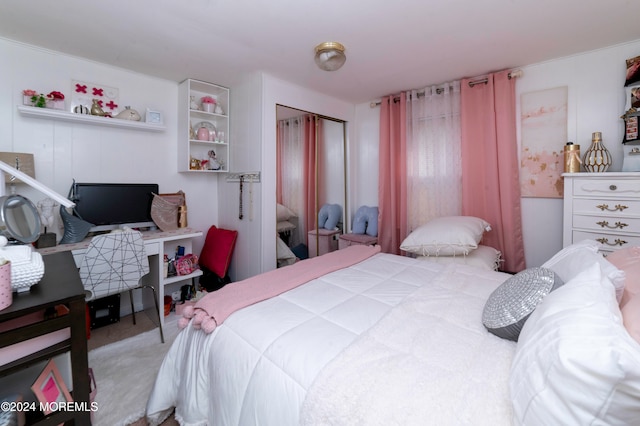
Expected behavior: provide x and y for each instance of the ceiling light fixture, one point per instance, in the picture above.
(330, 55)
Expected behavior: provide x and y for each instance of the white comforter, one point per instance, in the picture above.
(258, 367)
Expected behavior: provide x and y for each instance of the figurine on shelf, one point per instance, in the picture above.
(96, 109)
(213, 161)
(195, 164)
(129, 114)
(193, 104)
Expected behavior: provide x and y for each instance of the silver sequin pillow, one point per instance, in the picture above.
(509, 306)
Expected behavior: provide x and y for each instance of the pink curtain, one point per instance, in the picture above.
(392, 168)
(490, 179)
(309, 173)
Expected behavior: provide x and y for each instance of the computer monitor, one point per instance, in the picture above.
(112, 205)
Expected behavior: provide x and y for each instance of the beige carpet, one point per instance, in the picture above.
(125, 363)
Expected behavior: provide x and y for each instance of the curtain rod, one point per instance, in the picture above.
(512, 74)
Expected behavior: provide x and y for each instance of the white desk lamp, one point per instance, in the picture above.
(22, 222)
(32, 183)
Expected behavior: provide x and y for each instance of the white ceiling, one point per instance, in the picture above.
(390, 45)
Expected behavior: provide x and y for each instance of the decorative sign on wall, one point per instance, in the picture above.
(83, 94)
(544, 133)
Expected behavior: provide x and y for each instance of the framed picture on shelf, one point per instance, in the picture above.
(153, 117)
(50, 388)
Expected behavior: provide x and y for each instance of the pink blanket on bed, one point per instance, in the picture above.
(215, 307)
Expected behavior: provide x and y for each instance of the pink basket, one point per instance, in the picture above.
(186, 264)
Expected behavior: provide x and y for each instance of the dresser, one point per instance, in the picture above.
(602, 206)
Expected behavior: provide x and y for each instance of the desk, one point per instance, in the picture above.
(60, 285)
(157, 244)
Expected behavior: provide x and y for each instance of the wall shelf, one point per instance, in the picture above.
(54, 114)
(191, 116)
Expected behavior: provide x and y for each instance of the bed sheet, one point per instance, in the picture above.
(258, 366)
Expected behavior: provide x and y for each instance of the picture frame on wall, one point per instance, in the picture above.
(633, 71)
(50, 388)
(631, 118)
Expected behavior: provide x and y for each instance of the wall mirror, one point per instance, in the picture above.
(311, 202)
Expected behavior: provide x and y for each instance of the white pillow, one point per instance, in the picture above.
(573, 259)
(446, 236)
(575, 363)
(283, 213)
(484, 257)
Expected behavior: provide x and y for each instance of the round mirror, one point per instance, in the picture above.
(19, 219)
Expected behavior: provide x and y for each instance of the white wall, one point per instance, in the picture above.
(65, 151)
(246, 154)
(596, 101)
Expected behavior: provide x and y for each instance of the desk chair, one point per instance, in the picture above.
(114, 263)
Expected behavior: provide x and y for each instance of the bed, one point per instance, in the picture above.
(385, 339)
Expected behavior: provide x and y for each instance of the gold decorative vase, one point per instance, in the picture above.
(572, 159)
(597, 158)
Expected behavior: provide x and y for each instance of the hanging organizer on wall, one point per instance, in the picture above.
(244, 178)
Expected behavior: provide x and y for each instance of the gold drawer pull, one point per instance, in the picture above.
(617, 242)
(605, 224)
(616, 208)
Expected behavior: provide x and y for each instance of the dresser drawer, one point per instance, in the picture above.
(613, 206)
(606, 188)
(601, 223)
(609, 241)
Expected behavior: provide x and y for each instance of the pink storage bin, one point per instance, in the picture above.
(6, 292)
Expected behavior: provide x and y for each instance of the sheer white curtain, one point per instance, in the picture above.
(291, 158)
(434, 186)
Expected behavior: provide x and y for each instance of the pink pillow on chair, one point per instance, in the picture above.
(218, 249)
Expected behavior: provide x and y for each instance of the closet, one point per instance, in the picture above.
(310, 183)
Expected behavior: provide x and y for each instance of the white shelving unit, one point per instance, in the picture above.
(192, 152)
(54, 114)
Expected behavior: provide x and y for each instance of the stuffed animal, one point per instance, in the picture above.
(366, 221)
(329, 216)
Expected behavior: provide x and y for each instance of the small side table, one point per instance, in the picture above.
(322, 241)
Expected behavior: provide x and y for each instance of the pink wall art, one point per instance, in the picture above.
(543, 134)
